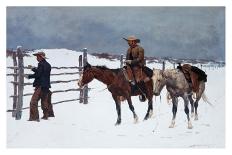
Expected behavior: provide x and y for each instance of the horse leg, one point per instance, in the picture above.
(150, 102)
(192, 104)
(132, 109)
(174, 111)
(118, 108)
(186, 110)
(149, 110)
(196, 106)
(198, 97)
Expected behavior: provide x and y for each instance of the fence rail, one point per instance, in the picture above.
(25, 67)
(54, 74)
(77, 99)
(52, 82)
(19, 83)
(53, 92)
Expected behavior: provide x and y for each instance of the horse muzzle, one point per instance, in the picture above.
(79, 83)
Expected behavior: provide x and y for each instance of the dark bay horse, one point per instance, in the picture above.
(177, 86)
(118, 86)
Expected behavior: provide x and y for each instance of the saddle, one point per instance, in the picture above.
(193, 75)
(127, 71)
(137, 79)
(136, 73)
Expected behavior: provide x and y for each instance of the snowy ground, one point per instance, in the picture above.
(92, 125)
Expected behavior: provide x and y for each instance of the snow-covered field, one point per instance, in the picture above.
(92, 125)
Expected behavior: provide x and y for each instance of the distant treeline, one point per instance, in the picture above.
(112, 57)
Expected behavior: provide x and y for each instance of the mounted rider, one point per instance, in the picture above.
(135, 64)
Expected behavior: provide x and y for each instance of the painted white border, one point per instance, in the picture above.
(5, 3)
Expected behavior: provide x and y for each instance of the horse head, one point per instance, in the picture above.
(87, 75)
(158, 79)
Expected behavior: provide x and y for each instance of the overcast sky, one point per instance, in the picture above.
(179, 32)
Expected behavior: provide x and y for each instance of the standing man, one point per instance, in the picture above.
(42, 85)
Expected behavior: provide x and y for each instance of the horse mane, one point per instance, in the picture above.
(171, 72)
(106, 68)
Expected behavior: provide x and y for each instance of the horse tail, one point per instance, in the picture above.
(205, 99)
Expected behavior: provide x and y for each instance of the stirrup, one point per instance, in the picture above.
(142, 98)
(133, 88)
(132, 82)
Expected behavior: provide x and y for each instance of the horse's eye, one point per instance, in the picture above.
(158, 80)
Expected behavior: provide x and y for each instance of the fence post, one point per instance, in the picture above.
(121, 60)
(80, 69)
(14, 84)
(19, 105)
(85, 90)
(163, 66)
(174, 65)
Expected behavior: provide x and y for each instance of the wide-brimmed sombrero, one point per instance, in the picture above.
(42, 54)
(132, 38)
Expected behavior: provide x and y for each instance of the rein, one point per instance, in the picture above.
(103, 89)
(108, 86)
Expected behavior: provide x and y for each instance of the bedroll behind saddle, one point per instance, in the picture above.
(201, 74)
(193, 75)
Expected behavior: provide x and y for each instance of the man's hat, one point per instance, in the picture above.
(42, 54)
(132, 38)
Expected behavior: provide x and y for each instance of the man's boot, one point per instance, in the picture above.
(50, 107)
(143, 90)
(45, 116)
(133, 87)
(36, 120)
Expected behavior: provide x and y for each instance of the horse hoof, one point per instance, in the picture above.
(136, 120)
(117, 123)
(192, 114)
(145, 118)
(172, 124)
(190, 126)
(150, 114)
(196, 118)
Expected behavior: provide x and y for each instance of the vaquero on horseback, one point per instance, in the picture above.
(135, 70)
(132, 80)
(181, 82)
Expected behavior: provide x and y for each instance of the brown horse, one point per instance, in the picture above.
(118, 86)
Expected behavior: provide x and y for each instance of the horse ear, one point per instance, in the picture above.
(87, 65)
(162, 72)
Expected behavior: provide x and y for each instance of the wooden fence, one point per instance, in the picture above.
(18, 82)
